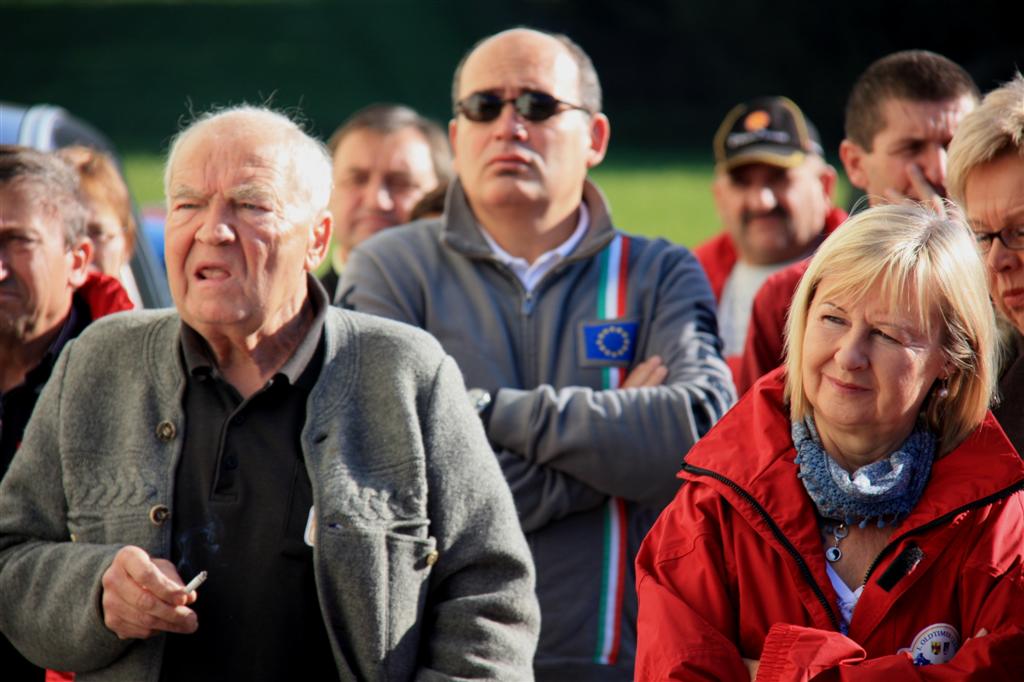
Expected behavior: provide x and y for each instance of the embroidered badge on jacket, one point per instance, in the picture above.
(937, 643)
(610, 342)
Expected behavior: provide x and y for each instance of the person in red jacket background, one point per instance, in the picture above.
(858, 514)
(47, 297)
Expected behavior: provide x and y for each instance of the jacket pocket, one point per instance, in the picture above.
(122, 528)
(374, 582)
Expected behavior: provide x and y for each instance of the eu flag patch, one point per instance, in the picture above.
(613, 341)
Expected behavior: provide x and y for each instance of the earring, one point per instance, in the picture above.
(944, 391)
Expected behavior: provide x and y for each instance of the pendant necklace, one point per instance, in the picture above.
(838, 532)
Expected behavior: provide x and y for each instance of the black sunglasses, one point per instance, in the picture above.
(531, 105)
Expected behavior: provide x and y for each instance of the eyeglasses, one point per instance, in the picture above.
(534, 106)
(1011, 237)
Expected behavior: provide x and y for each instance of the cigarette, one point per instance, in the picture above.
(194, 584)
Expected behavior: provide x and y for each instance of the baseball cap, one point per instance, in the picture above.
(769, 130)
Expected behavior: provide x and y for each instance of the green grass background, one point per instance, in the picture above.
(651, 197)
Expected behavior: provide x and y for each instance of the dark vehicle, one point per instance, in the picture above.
(46, 128)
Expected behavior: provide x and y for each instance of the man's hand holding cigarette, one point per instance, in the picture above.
(143, 596)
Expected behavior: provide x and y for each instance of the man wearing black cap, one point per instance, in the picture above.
(773, 191)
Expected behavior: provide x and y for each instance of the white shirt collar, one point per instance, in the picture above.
(530, 274)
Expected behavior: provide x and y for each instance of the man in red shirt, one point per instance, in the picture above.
(900, 117)
(773, 191)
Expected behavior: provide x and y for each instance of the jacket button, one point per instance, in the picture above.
(165, 431)
(158, 514)
(432, 558)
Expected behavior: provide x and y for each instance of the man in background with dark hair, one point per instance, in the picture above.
(900, 118)
(47, 297)
(386, 158)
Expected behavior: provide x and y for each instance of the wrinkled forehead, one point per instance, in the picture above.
(29, 200)
(994, 192)
(897, 296)
(521, 60)
(223, 156)
(925, 119)
(399, 149)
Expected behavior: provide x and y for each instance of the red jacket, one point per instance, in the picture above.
(735, 567)
(718, 257)
(104, 294)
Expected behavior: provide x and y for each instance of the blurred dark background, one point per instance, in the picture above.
(670, 69)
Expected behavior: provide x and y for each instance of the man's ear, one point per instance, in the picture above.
(829, 178)
(600, 133)
(319, 239)
(718, 183)
(79, 258)
(852, 155)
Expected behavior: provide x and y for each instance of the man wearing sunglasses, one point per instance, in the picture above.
(591, 356)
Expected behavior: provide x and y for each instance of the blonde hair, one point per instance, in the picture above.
(101, 184)
(995, 127)
(924, 263)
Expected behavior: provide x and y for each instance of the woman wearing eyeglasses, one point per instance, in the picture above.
(858, 514)
(986, 176)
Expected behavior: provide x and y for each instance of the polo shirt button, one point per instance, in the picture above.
(165, 431)
(432, 558)
(159, 514)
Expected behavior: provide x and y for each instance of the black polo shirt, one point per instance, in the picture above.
(242, 499)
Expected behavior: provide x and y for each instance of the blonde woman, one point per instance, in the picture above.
(858, 514)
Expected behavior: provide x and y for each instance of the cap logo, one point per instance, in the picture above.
(757, 120)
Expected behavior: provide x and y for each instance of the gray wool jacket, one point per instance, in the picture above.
(568, 446)
(421, 568)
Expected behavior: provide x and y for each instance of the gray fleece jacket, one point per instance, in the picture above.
(422, 570)
(571, 448)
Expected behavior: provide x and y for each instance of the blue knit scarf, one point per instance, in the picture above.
(886, 490)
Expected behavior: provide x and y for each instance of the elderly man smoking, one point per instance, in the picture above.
(324, 467)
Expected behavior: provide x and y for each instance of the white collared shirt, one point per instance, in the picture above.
(847, 598)
(530, 274)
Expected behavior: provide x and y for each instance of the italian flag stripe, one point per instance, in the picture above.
(611, 304)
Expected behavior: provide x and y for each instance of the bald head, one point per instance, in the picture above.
(516, 165)
(304, 158)
(589, 87)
